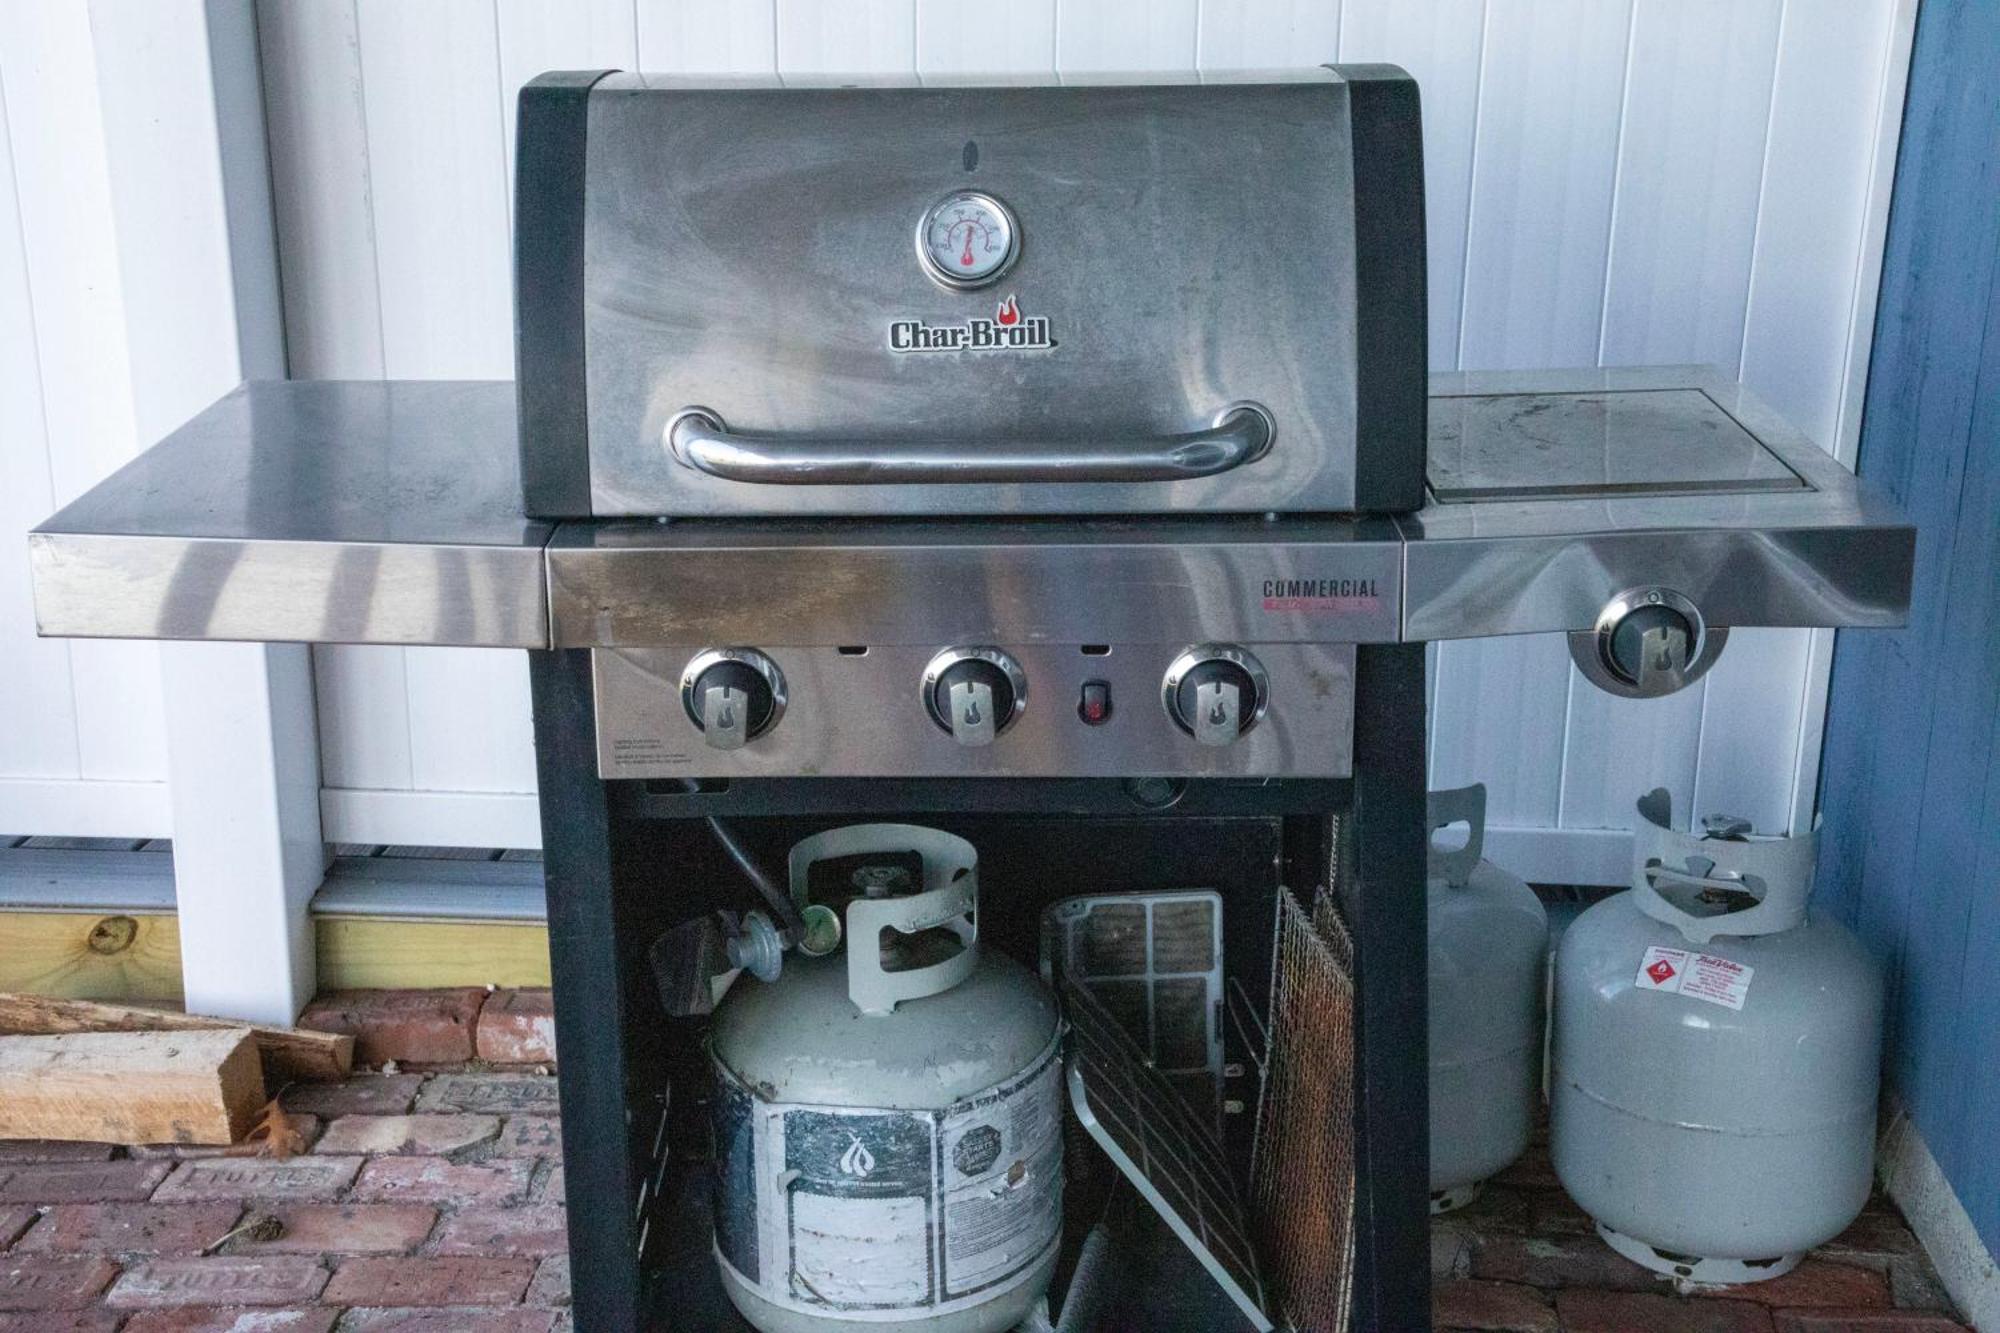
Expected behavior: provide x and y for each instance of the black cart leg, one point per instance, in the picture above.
(1385, 904)
(607, 1081)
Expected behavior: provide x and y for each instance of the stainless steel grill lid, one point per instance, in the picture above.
(966, 301)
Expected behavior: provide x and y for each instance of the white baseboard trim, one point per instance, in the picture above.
(1562, 855)
(430, 818)
(66, 880)
(85, 808)
(425, 889)
(1913, 1178)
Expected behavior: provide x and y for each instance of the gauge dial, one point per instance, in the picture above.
(967, 239)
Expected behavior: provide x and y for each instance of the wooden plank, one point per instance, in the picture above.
(130, 1087)
(121, 956)
(391, 953)
(289, 1053)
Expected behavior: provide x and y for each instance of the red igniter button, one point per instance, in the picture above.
(1094, 707)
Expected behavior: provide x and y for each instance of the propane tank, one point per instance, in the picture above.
(1716, 1057)
(1488, 944)
(888, 1124)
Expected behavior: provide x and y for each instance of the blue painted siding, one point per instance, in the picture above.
(1911, 768)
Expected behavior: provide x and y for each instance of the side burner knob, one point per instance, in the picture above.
(974, 693)
(1215, 692)
(732, 695)
(1647, 643)
(1651, 647)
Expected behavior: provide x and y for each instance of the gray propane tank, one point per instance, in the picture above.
(889, 1138)
(1716, 1057)
(1488, 955)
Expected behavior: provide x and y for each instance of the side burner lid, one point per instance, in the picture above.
(1529, 446)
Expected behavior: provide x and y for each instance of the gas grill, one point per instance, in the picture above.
(1054, 467)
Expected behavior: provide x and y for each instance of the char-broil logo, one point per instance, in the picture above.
(1007, 331)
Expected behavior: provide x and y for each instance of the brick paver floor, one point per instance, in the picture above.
(429, 1201)
(1523, 1258)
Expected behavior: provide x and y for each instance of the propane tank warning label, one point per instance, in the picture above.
(1699, 976)
(1005, 1155)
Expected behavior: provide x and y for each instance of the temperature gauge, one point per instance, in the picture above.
(967, 239)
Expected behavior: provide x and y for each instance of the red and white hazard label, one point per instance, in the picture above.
(1699, 976)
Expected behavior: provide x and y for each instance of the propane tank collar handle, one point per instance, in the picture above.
(876, 990)
(950, 899)
(945, 856)
(1466, 805)
(1662, 855)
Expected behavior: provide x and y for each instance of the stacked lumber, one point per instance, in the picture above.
(113, 1073)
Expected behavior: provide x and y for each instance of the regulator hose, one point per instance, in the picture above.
(791, 925)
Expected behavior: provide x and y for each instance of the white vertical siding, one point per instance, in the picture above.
(1142, 41)
(1439, 43)
(1267, 34)
(37, 698)
(1013, 43)
(1813, 279)
(864, 42)
(1608, 180)
(1677, 274)
(720, 37)
(82, 749)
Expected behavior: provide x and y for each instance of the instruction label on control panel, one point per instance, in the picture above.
(1699, 976)
(860, 1209)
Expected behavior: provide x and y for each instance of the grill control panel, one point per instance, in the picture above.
(976, 709)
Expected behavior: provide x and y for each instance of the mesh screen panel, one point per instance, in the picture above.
(1302, 1188)
(1154, 961)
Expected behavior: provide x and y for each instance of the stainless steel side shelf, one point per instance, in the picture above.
(320, 511)
(350, 512)
(1554, 493)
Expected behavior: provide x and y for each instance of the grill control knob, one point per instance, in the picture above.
(1651, 647)
(732, 695)
(1647, 643)
(974, 693)
(1215, 692)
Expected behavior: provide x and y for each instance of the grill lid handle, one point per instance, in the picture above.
(697, 437)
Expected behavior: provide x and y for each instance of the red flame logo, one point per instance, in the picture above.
(1008, 313)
